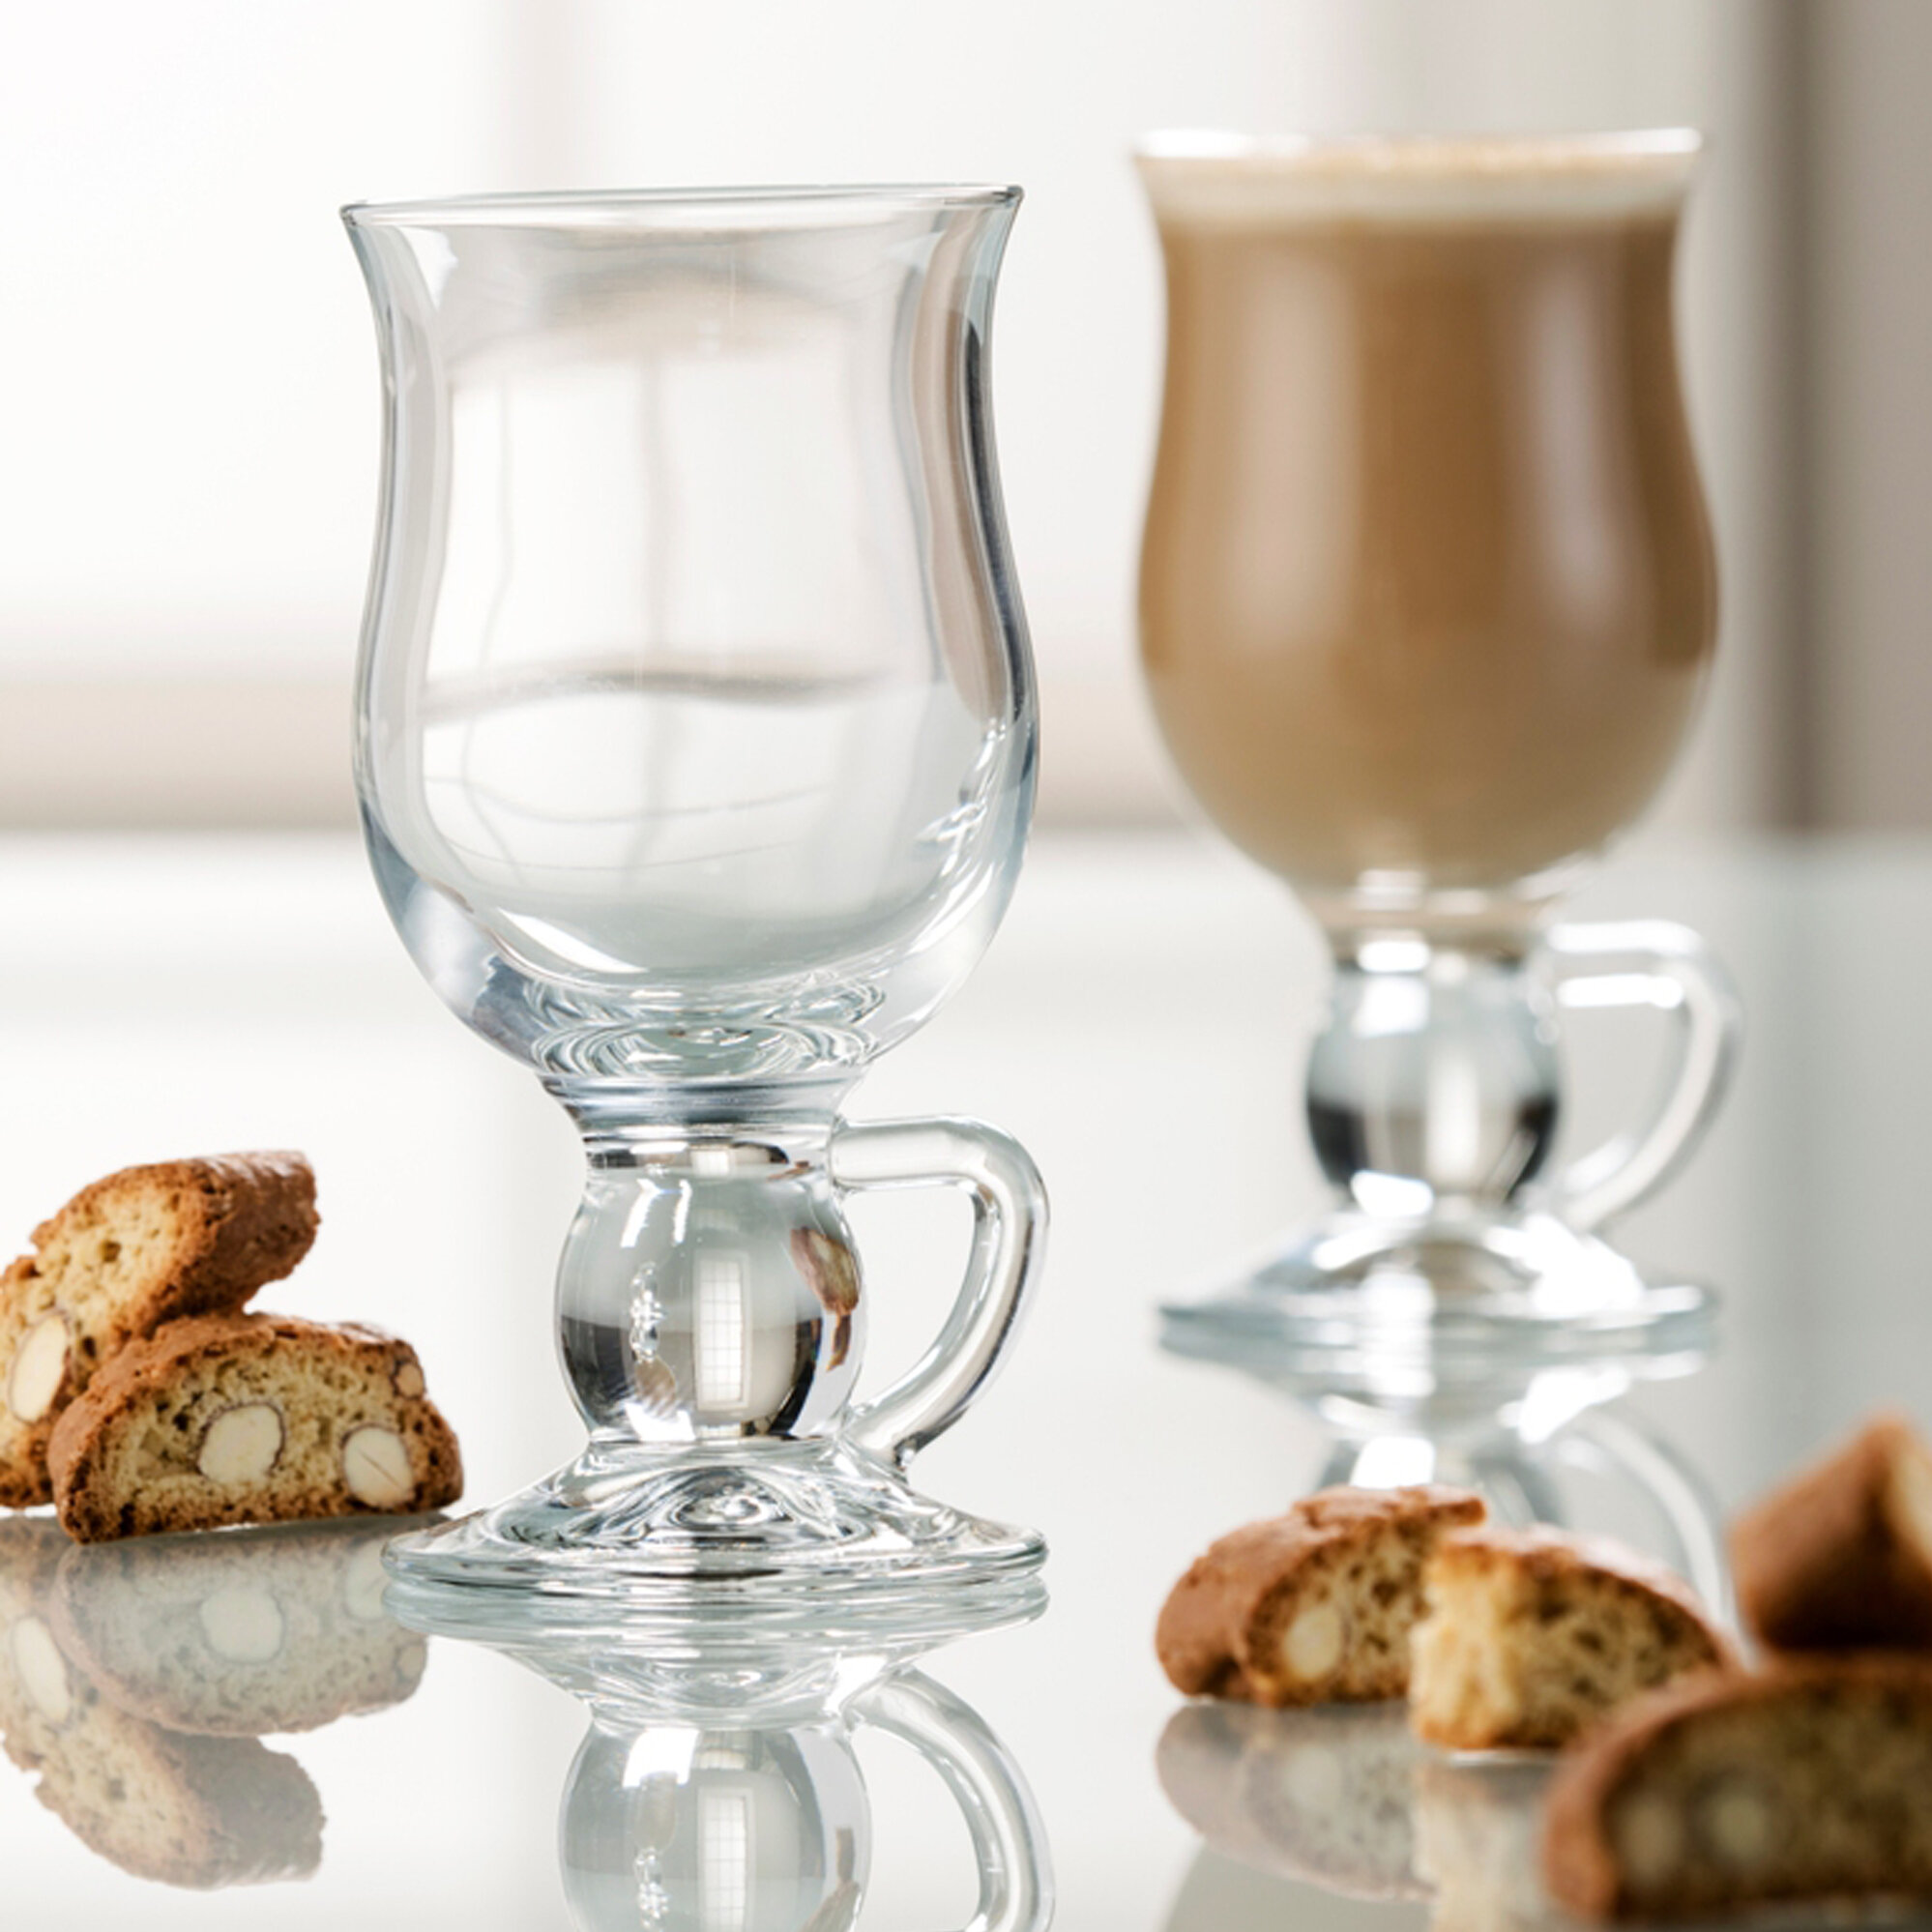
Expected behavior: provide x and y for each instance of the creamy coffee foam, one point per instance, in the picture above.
(1427, 597)
(1214, 177)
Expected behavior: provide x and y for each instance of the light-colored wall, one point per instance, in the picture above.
(1869, 686)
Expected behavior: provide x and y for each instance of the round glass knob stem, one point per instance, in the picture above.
(1434, 1087)
(710, 1289)
(1434, 1080)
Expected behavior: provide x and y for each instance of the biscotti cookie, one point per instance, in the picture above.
(1319, 1794)
(1812, 1780)
(1529, 1636)
(1840, 1558)
(135, 1250)
(1312, 1606)
(244, 1635)
(250, 1419)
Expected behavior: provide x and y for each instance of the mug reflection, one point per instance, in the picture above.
(718, 1788)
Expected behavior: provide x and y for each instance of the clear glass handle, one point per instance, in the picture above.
(1668, 968)
(1008, 1839)
(1009, 1233)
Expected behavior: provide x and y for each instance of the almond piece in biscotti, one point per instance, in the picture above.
(40, 1367)
(242, 1445)
(375, 1465)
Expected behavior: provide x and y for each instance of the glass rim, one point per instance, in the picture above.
(780, 205)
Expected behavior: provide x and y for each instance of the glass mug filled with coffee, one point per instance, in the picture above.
(1427, 603)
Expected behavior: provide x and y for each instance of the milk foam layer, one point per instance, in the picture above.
(1235, 179)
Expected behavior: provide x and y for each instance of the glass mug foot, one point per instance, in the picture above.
(760, 1526)
(1453, 1260)
(1394, 1313)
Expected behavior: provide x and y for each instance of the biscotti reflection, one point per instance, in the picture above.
(1475, 1843)
(1347, 1800)
(134, 1685)
(239, 1635)
(1323, 1794)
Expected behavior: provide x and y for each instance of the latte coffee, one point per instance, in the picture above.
(1427, 596)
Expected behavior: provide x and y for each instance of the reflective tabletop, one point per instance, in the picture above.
(243, 1728)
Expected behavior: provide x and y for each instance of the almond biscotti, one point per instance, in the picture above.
(250, 1419)
(1314, 1606)
(135, 1250)
(1811, 1780)
(1840, 1558)
(1530, 1635)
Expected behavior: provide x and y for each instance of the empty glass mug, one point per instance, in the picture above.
(1427, 603)
(695, 752)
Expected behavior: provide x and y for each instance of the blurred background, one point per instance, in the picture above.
(192, 407)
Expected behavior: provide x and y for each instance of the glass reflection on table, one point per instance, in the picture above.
(718, 1786)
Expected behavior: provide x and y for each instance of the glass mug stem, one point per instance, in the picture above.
(710, 1290)
(1434, 1090)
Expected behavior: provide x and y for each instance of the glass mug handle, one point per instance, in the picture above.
(1008, 1839)
(1666, 967)
(1009, 1234)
